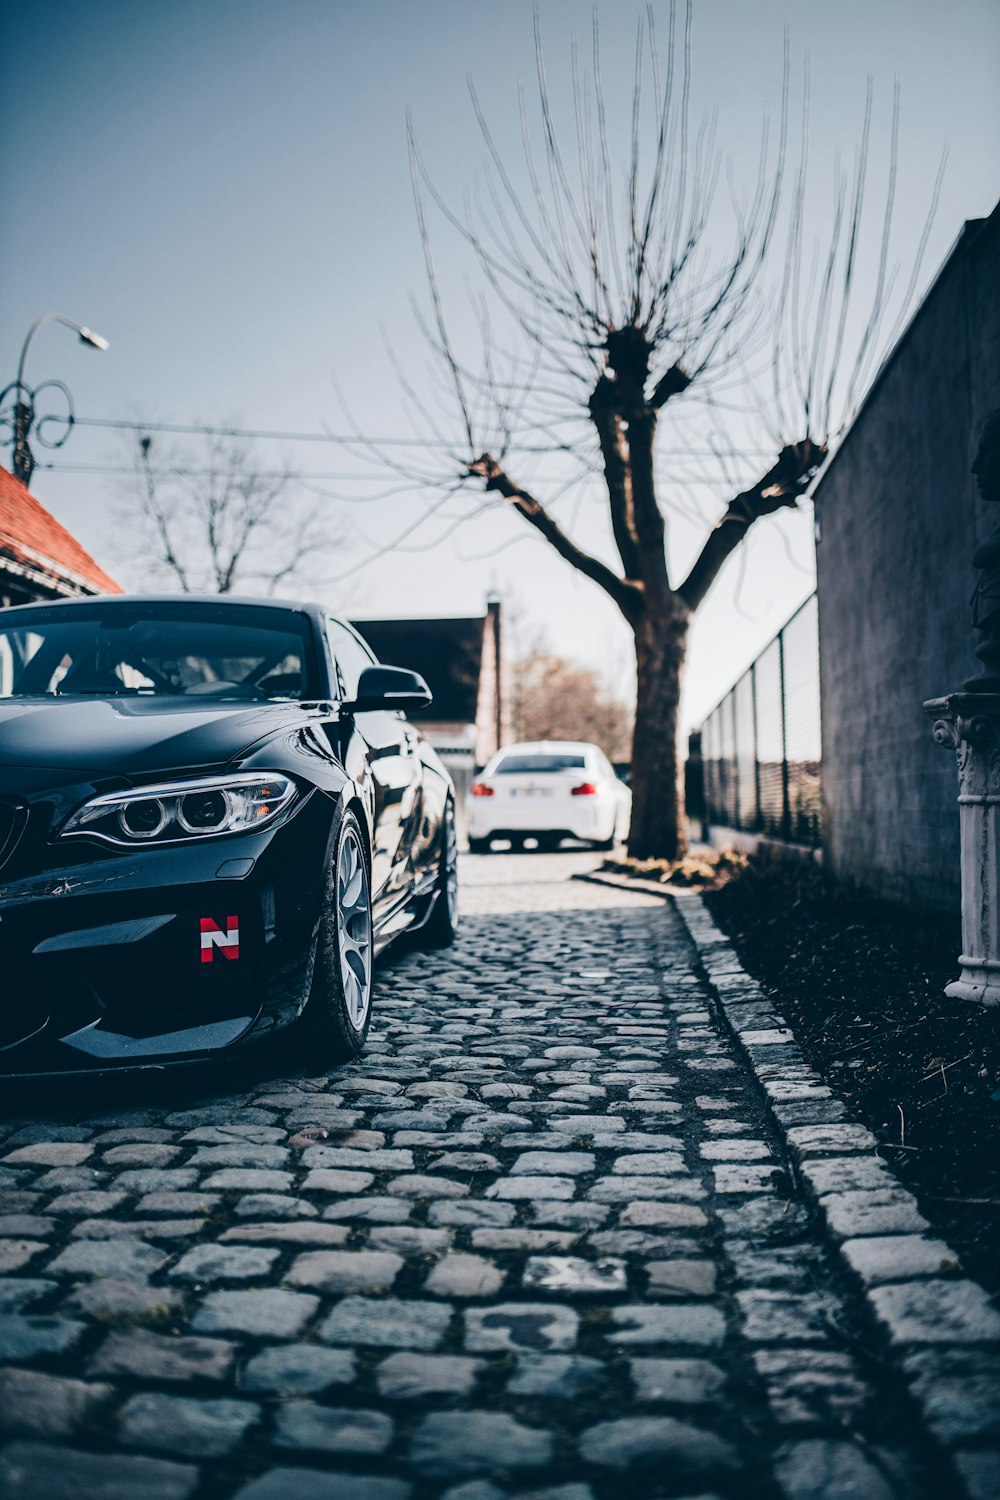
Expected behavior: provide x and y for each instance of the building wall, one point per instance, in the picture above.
(898, 518)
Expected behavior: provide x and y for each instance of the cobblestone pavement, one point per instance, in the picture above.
(539, 1241)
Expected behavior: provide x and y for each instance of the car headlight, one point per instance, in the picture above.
(176, 811)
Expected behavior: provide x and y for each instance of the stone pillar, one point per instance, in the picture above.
(970, 723)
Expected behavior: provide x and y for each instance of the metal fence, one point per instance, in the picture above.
(761, 747)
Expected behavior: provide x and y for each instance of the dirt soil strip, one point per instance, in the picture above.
(941, 1328)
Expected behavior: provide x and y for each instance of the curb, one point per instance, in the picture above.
(625, 883)
(941, 1329)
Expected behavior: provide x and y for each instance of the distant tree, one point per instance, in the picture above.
(554, 699)
(617, 285)
(210, 520)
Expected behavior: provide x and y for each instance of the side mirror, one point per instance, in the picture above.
(390, 688)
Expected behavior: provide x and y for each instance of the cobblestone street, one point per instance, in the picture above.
(540, 1241)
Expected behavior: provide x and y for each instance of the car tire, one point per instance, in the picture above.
(334, 1024)
(479, 846)
(441, 927)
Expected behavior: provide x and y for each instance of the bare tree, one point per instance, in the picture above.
(622, 294)
(212, 520)
(554, 699)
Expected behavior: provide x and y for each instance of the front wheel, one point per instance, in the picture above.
(338, 1012)
(441, 927)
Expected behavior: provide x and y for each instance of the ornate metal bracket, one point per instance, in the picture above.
(20, 418)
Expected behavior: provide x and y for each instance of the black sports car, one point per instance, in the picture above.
(213, 816)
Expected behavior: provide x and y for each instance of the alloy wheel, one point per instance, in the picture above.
(451, 866)
(354, 929)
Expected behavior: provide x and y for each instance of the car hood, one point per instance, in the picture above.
(132, 737)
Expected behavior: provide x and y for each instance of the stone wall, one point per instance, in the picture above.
(898, 518)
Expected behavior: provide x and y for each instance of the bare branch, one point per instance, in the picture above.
(218, 525)
(617, 473)
(782, 486)
(627, 595)
(157, 515)
(432, 284)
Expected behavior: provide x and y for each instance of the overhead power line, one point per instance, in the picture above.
(355, 440)
(188, 471)
(305, 478)
(204, 429)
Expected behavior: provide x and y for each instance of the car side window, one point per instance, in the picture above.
(351, 655)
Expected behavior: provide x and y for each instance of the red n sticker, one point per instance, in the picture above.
(212, 937)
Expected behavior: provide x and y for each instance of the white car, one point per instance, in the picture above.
(548, 791)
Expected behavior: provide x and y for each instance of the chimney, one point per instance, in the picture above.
(493, 615)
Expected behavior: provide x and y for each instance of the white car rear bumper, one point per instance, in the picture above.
(590, 818)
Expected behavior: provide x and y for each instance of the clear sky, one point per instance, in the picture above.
(221, 188)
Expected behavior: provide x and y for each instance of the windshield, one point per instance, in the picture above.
(208, 651)
(532, 764)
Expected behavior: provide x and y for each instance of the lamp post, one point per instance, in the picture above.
(24, 398)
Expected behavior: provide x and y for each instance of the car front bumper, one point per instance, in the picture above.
(136, 958)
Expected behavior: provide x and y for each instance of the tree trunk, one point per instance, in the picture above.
(658, 828)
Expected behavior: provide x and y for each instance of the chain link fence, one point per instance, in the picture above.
(761, 747)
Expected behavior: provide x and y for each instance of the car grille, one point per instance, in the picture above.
(12, 821)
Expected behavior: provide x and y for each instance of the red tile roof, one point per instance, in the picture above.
(29, 535)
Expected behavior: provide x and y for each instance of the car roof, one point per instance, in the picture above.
(122, 601)
(548, 747)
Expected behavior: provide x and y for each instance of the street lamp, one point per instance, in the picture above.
(23, 417)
